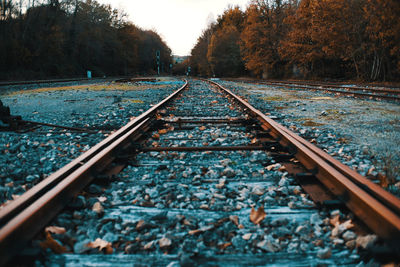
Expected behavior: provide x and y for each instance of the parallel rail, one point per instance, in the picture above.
(366, 92)
(24, 217)
(377, 208)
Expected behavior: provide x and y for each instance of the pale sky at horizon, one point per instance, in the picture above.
(179, 22)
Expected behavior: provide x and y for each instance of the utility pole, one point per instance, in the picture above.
(158, 62)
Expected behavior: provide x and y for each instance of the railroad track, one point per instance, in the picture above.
(355, 91)
(202, 176)
(8, 83)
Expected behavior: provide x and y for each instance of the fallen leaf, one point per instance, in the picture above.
(371, 170)
(224, 246)
(55, 230)
(155, 144)
(158, 117)
(247, 236)
(257, 216)
(254, 140)
(164, 242)
(347, 224)
(98, 208)
(162, 131)
(155, 136)
(148, 245)
(214, 102)
(102, 199)
(101, 244)
(201, 230)
(234, 219)
(202, 128)
(335, 220)
(52, 244)
(270, 167)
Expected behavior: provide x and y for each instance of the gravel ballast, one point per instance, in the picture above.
(27, 158)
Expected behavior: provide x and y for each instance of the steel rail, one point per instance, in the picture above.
(378, 209)
(395, 90)
(21, 219)
(328, 88)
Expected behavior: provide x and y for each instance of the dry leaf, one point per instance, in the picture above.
(214, 102)
(257, 216)
(102, 199)
(202, 128)
(158, 117)
(155, 144)
(254, 140)
(270, 167)
(224, 246)
(98, 208)
(164, 242)
(162, 131)
(55, 230)
(148, 245)
(234, 219)
(52, 244)
(347, 224)
(101, 244)
(201, 230)
(335, 220)
(156, 136)
(247, 236)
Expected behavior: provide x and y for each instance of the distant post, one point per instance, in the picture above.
(89, 74)
(158, 62)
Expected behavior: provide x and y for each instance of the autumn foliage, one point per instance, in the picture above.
(341, 39)
(66, 38)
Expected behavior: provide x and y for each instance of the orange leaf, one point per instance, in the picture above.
(224, 246)
(335, 220)
(162, 131)
(55, 230)
(156, 136)
(52, 244)
(101, 244)
(257, 216)
(234, 219)
(202, 128)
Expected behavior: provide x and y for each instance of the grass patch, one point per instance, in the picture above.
(91, 87)
(273, 98)
(136, 101)
(308, 122)
(322, 98)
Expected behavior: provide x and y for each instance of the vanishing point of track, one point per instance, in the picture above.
(321, 176)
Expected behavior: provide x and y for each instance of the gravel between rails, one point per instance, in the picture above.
(182, 209)
(27, 158)
(364, 134)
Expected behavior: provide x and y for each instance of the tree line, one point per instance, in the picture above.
(64, 38)
(339, 39)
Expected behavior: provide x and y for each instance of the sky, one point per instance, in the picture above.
(179, 22)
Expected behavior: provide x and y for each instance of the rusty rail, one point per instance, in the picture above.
(345, 90)
(377, 208)
(24, 217)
